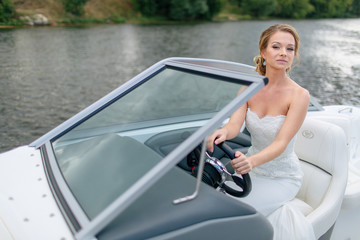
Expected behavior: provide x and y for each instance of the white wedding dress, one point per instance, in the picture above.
(276, 183)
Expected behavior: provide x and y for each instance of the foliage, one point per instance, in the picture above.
(293, 9)
(215, 7)
(300, 8)
(187, 9)
(258, 8)
(179, 9)
(83, 21)
(7, 11)
(355, 8)
(332, 8)
(147, 7)
(75, 7)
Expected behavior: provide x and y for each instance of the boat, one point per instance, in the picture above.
(133, 165)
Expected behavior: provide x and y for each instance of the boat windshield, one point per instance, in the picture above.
(102, 156)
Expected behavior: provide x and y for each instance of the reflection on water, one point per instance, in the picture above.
(49, 74)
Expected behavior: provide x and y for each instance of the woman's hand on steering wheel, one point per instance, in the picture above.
(216, 138)
(241, 163)
(244, 182)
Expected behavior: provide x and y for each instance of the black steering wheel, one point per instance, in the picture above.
(244, 182)
(215, 173)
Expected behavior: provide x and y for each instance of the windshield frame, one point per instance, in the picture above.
(82, 227)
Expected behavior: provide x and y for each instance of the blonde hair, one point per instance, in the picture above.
(264, 40)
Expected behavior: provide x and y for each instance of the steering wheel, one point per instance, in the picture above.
(244, 182)
(215, 173)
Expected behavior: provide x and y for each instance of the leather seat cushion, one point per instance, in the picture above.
(315, 184)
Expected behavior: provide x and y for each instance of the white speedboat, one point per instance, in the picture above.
(133, 165)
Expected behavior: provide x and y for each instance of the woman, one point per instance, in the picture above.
(273, 117)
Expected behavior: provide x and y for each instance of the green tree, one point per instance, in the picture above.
(163, 7)
(200, 9)
(332, 8)
(192, 9)
(355, 8)
(293, 8)
(340, 8)
(179, 9)
(258, 8)
(75, 7)
(147, 8)
(7, 11)
(215, 7)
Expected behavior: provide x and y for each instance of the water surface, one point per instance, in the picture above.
(49, 74)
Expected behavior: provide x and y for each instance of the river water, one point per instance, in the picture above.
(48, 74)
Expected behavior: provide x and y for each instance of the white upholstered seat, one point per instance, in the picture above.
(348, 118)
(322, 149)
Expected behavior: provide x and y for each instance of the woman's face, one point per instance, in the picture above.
(280, 51)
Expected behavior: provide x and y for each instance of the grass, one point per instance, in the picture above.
(231, 12)
(102, 9)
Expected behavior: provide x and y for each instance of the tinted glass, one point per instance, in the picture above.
(100, 160)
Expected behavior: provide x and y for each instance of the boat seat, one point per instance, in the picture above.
(349, 122)
(323, 152)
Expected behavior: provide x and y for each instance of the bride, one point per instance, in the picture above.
(273, 116)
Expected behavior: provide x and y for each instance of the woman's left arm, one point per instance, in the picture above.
(294, 119)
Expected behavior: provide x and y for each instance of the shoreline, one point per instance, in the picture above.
(79, 22)
(91, 22)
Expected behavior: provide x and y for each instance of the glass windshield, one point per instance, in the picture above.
(106, 154)
(171, 94)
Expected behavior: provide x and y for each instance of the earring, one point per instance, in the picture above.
(264, 63)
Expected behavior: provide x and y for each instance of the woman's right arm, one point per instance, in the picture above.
(229, 130)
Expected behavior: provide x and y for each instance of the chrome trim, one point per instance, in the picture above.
(349, 109)
(221, 169)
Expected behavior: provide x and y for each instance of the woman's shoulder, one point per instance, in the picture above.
(299, 91)
(300, 95)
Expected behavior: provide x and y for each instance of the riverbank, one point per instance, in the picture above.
(52, 13)
(95, 11)
(73, 12)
